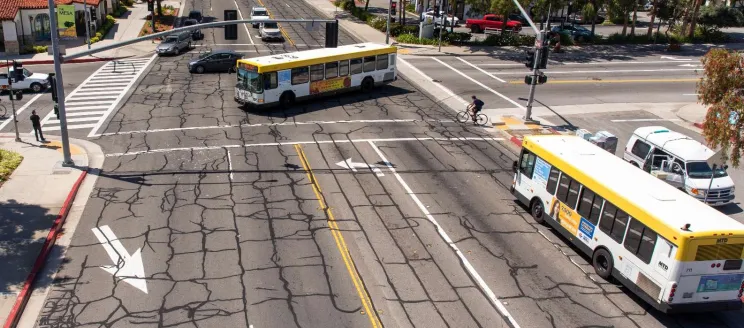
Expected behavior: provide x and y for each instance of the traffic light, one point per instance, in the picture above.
(530, 60)
(53, 85)
(231, 31)
(331, 40)
(541, 79)
(56, 110)
(393, 7)
(18, 71)
(150, 5)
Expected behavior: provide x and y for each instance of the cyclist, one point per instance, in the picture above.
(475, 107)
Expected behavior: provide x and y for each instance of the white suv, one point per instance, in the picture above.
(258, 13)
(270, 31)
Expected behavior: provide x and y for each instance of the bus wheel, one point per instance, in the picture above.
(603, 264)
(287, 99)
(537, 210)
(367, 84)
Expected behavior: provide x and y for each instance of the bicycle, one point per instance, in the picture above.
(466, 115)
(3, 111)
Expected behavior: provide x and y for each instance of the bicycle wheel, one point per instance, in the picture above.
(481, 119)
(3, 111)
(463, 117)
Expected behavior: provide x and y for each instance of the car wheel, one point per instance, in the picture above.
(199, 69)
(36, 87)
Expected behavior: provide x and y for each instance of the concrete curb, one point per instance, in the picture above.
(23, 296)
(72, 61)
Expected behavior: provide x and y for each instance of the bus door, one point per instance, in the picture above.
(523, 173)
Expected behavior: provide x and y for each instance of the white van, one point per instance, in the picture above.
(680, 161)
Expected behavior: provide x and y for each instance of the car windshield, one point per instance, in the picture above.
(205, 55)
(701, 170)
(271, 25)
(260, 13)
(171, 39)
(250, 81)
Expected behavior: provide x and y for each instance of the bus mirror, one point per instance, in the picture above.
(514, 167)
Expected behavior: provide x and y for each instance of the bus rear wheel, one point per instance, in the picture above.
(603, 264)
(367, 84)
(287, 99)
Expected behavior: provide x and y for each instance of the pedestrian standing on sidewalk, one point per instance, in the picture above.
(36, 122)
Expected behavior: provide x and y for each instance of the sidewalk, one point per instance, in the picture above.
(36, 206)
(693, 114)
(127, 27)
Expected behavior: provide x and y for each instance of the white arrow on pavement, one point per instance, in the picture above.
(348, 164)
(690, 65)
(128, 268)
(673, 58)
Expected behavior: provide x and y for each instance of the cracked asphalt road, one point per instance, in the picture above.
(233, 234)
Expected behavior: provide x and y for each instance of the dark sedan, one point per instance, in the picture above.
(578, 33)
(215, 61)
(195, 34)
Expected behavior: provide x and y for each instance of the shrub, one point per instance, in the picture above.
(413, 39)
(379, 23)
(456, 37)
(41, 49)
(99, 35)
(121, 10)
(94, 39)
(399, 29)
(9, 161)
(508, 39)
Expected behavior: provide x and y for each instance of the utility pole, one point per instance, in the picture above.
(67, 160)
(540, 48)
(87, 22)
(12, 103)
(441, 26)
(387, 27)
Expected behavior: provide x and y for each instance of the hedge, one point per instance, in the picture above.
(9, 161)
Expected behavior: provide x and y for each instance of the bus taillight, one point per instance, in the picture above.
(671, 293)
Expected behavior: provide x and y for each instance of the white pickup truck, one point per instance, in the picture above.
(36, 82)
(258, 14)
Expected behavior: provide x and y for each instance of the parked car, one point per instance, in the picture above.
(648, 6)
(491, 21)
(195, 34)
(578, 33)
(215, 61)
(259, 13)
(270, 31)
(450, 21)
(174, 44)
(36, 82)
(519, 18)
(196, 15)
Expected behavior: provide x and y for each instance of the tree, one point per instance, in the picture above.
(653, 17)
(160, 8)
(693, 17)
(622, 7)
(478, 7)
(720, 90)
(504, 8)
(713, 18)
(635, 18)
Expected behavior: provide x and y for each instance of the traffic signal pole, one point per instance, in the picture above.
(67, 158)
(540, 48)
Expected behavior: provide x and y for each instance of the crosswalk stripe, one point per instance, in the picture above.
(104, 83)
(73, 120)
(74, 114)
(79, 108)
(70, 127)
(95, 93)
(85, 98)
(105, 89)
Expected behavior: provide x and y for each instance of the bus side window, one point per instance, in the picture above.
(590, 205)
(563, 185)
(618, 227)
(270, 81)
(369, 64)
(300, 75)
(527, 164)
(331, 70)
(316, 72)
(608, 218)
(573, 194)
(553, 180)
(640, 240)
(382, 61)
(356, 66)
(343, 68)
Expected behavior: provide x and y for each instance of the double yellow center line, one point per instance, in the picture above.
(340, 243)
(286, 36)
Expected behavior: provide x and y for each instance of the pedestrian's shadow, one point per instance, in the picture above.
(43, 144)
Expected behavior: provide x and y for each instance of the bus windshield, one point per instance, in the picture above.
(701, 170)
(250, 81)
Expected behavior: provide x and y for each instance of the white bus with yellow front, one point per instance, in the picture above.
(285, 78)
(675, 252)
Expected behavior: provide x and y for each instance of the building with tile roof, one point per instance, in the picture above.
(26, 22)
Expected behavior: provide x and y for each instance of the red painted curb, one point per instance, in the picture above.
(516, 141)
(698, 125)
(22, 299)
(71, 61)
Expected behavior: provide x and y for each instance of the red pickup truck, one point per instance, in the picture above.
(491, 21)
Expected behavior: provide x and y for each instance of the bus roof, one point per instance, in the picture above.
(658, 204)
(676, 143)
(317, 56)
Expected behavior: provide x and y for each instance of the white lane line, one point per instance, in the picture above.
(272, 124)
(244, 25)
(9, 116)
(605, 71)
(690, 94)
(291, 143)
(442, 87)
(481, 70)
(469, 267)
(481, 84)
(69, 127)
(229, 164)
(94, 131)
(648, 120)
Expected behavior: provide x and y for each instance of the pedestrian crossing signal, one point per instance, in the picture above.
(150, 5)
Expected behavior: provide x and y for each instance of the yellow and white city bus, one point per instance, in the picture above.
(675, 252)
(286, 78)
